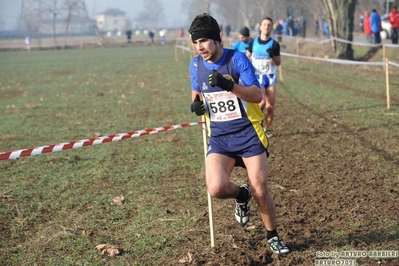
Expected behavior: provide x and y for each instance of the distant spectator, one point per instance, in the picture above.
(316, 27)
(27, 43)
(151, 35)
(326, 30)
(181, 32)
(279, 31)
(375, 22)
(393, 18)
(129, 35)
(162, 34)
(101, 40)
(304, 22)
(285, 28)
(181, 36)
(290, 26)
(367, 27)
(361, 23)
(227, 30)
(297, 27)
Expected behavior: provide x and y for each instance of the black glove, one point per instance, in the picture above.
(216, 79)
(198, 106)
(270, 52)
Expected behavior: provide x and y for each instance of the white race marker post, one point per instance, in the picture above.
(210, 208)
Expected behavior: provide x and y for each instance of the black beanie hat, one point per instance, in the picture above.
(245, 32)
(205, 26)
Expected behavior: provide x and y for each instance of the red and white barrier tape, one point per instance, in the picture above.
(89, 142)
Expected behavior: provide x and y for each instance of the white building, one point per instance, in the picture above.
(112, 21)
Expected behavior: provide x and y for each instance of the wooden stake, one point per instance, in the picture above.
(383, 52)
(387, 80)
(210, 207)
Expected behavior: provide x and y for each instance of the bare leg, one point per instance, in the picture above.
(257, 175)
(270, 98)
(218, 170)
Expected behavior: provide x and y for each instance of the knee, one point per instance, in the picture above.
(261, 196)
(216, 192)
(269, 108)
(258, 196)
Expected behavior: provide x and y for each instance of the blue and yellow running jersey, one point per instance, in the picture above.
(226, 113)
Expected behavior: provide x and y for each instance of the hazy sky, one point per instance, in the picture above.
(9, 13)
(10, 10)
(172, 9)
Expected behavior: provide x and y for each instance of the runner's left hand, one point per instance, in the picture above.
(216, 79)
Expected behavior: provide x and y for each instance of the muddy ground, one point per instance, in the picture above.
(328, 196)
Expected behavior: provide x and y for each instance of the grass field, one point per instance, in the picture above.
(55, 208)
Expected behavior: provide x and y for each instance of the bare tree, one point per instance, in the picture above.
(249, 13)
(89, 19)
(70, 6)
(73, 8)
(195, 7)
(340, 17)
(32, 15)
(152, 15)
(236, 12)
(54, 8)
(340, 14)
(40, 21)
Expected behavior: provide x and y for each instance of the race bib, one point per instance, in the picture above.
(262, 66)
(222, 106)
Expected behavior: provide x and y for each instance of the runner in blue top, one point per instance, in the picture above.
(242, 44)
(264, 52)
(226, 91)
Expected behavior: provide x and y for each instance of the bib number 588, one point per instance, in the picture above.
(222, 107)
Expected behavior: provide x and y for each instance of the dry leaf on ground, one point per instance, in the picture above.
(186, 258)
(118, 200)
(108, 249)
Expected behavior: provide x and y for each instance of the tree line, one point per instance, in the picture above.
(339, 14)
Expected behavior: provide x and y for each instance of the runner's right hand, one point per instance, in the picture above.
(198, 106)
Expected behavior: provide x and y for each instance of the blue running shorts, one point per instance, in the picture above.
(243, 144)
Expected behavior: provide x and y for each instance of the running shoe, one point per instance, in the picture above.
(277, 246)
(269, 133)
(242, 212)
